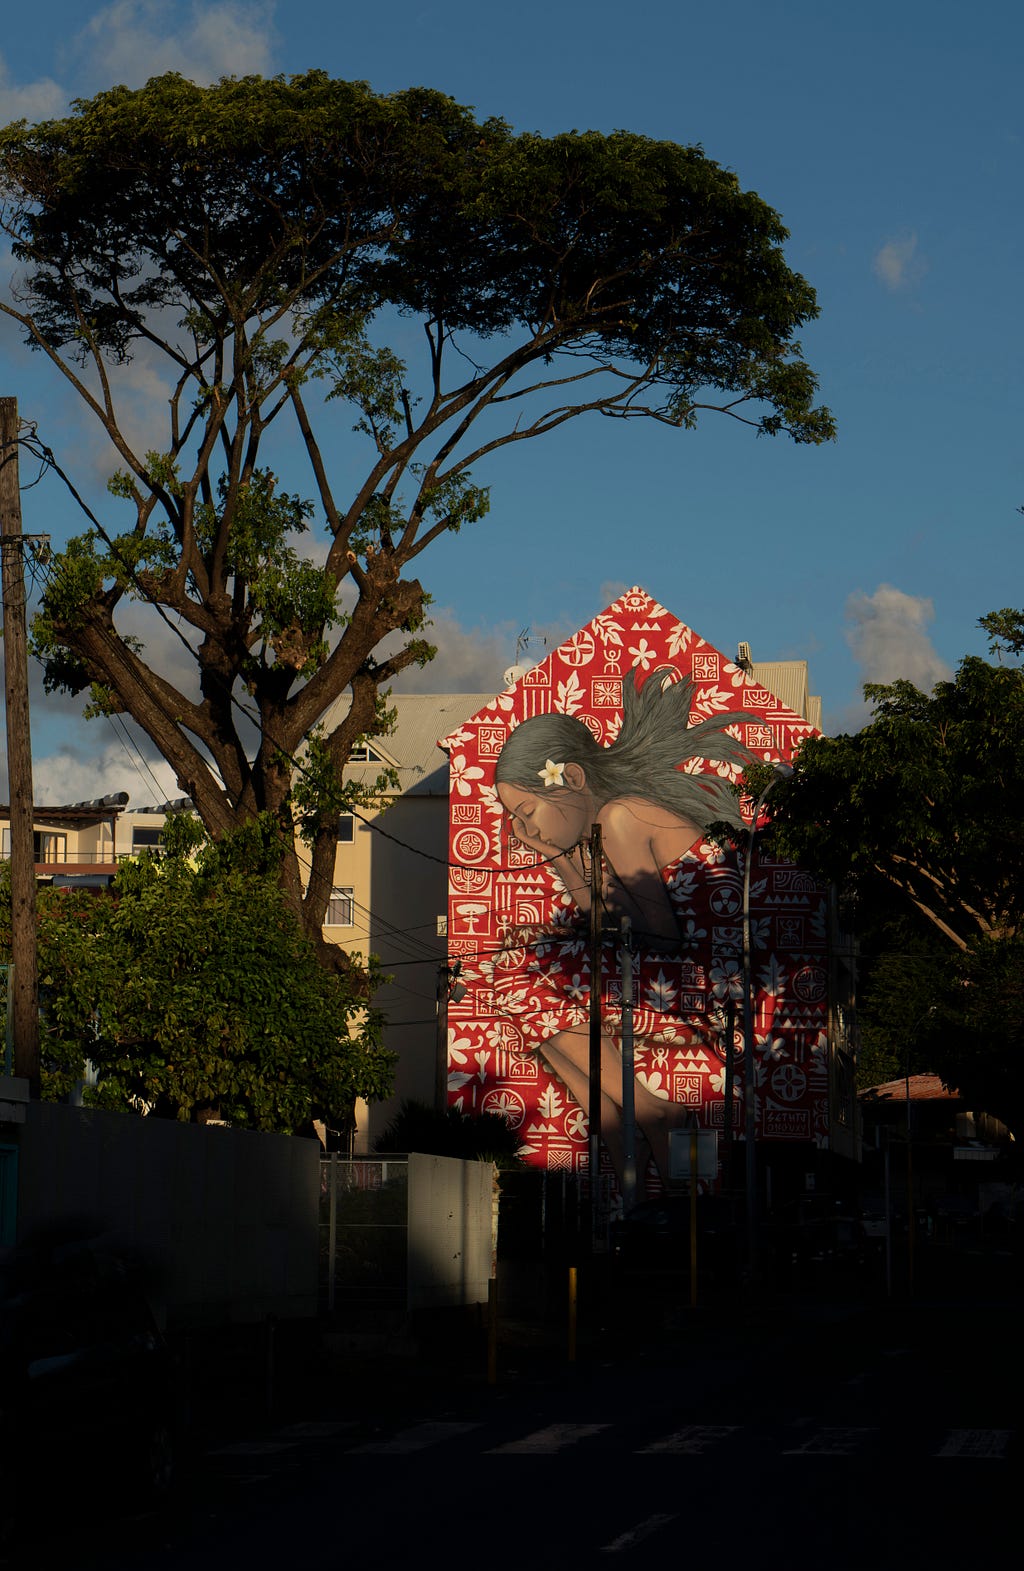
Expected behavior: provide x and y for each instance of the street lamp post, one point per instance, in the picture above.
(780, 772)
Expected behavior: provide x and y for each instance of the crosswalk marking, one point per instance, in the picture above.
(556, 1437)
(318, 1429)
(418, 1438)
(691, 1440)
(636, 1535)
(828, 1441)
(268, 1447)
(991, 1443)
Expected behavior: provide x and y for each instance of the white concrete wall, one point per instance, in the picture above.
(451, 1231)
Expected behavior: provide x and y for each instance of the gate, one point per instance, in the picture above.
(364, 1228)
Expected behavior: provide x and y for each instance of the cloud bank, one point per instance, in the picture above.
(41, 100)
(132, 40)
(887, 632)
(78, 774)
(76, 760)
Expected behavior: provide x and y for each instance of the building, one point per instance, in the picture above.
(959, 1161)
(391, 896)
(391, 885)
(517, 927)
(80, 844)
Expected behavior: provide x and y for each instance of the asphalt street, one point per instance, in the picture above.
(796, 1434)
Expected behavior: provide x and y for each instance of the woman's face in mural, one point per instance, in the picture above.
(555, 818)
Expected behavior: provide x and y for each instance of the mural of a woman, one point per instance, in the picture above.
(652, 802)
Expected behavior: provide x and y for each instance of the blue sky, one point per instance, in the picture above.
(889, 138)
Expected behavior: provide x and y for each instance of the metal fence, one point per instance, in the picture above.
(364, 1227)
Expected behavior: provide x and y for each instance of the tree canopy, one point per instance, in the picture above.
(920, 811)
(194, 992)
(917, 819)
(255, 242)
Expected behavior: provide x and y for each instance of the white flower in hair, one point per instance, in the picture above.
(552, 773)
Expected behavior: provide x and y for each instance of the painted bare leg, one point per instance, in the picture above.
(568, 1054)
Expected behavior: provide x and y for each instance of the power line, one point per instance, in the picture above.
(296, 764)
(115, 647)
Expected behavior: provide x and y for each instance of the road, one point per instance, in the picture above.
(880, 1441)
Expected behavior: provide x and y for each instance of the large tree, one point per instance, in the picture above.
(258, 241)
(917, 818)
(193, 991)
(919, 812)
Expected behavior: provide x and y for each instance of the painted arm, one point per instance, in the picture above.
(639, 840)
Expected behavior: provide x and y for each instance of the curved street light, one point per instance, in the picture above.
(780, 771)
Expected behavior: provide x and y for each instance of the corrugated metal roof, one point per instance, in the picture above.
(787, 679)
(422, 720)
(923, 1088)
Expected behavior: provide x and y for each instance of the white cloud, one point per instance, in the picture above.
(78, 774)
(898, 264)
(887, 632)
(42, 100)
(468, 660)
(473, 660)
(132, 40)
(141, 391)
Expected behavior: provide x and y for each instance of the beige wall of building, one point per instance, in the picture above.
(391, 889)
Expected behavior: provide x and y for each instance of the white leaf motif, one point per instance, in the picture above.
(570, 695)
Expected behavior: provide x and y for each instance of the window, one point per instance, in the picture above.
(50, 848)
(145, 839)
(346, 829)
(340, 908)
(364, 754)
(46, 847)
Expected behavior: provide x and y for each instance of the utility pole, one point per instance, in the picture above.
(628, 1070)
(594, 1110)
(448, 987)
(24, 993)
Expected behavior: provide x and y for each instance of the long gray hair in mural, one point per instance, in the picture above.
(645, 758)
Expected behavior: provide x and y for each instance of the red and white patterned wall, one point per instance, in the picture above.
(523, 946)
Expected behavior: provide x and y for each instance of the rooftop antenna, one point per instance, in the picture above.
(515, 671)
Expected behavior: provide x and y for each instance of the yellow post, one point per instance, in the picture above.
(572, 1314)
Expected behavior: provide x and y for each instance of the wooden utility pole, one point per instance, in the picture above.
(628, 1070)
(24, 993)
(594, 1110)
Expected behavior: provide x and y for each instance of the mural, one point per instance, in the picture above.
(639, 725)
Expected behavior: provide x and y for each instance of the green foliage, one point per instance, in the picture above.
(921, 807)
(1006, 631)
(482, 1137)
(194, 992)
(320, 794)
(982, 1043)
(956, 1013)
(258, 238)
(917, 818)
